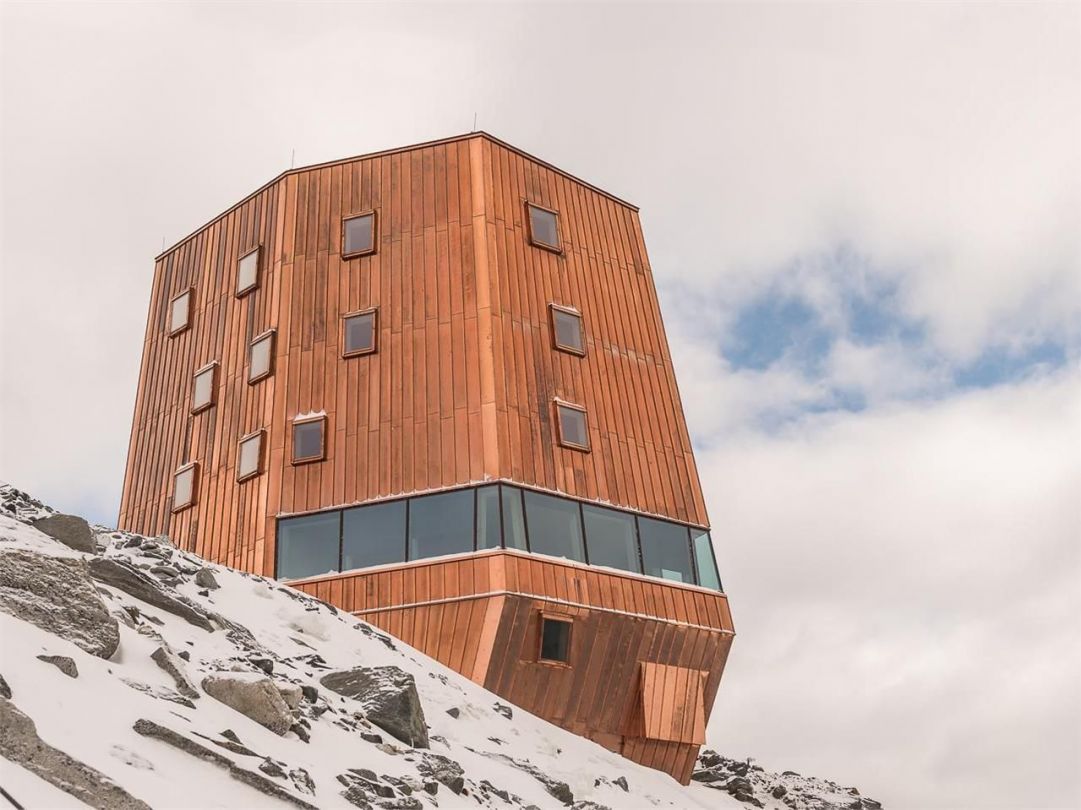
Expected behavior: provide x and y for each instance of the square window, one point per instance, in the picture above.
(666, 549)
(249, 457)
(573, 431)
(247, 272)
(611, 538)
(567, 329)
(373, 535)
(358, 235)
(309, 545)
(543, 227)
(554, 526)
(203, 388)
(184, 487)
(555, 642)
(441, 524)
(309, 439)
(261, 357)
(358, 333)
(180, 312)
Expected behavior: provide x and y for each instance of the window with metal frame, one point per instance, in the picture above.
(309, 439)
(359, 330)
(249, 456)
(566, 324)
(185, 486)
(261, 357)
(543, 227)
(204, 387)
(180, 311)
(358, 235)
(573, 428)
(555, 639)
(247, 272)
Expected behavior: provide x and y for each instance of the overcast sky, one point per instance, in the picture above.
(864, 222)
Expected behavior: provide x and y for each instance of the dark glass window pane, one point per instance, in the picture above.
(441, 524)
(666, 551)
(488, 517)
(308, 439)
(307, 545)
(513, 522)
(360, 333)
(555, 640)
(358, 234)
(543, 227)
(706, 563)
(373, 535)
(610, 538)
(555, 527)
(568, 330)
(572, 426)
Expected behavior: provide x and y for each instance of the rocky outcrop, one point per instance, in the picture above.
(125, 577)
(389, 697)
(754, 786)
(62, 663)
(57, 595)
(73, 532)
(443, 770)
(21, 744)
(174, 667)
(204, 578)
(254, 696)
(148, 728)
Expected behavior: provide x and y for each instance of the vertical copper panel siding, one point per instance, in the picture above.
(462, 384)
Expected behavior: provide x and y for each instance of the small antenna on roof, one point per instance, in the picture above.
(163, 244)
(293, 158)
(474, 122)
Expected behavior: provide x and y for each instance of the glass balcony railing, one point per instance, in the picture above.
(493, 516)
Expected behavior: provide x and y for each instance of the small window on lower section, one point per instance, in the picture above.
(572, 426)
(202, 389)
(358, 333)
(261, 357)
(249, 460)
(180, 313)
(309, 440)
(555, 642)
(184, 481)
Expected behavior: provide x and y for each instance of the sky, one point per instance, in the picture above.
(864, 221)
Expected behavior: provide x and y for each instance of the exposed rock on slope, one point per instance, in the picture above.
(251, 694)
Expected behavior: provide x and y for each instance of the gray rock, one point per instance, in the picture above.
(57, 595)
(272, 768)
(357, 797)
(389, 697)
(125, 577)
(168, 661)
(291, 694)
(372, 738)
(21, 744)
(5, 690)
(504, 710)
(302, 781)
(204, 578)
(72, 531)
(779, 791)
(256, 698)
(454, 711)
(62, 663)
(188, 746)
(622, 782)
(443, 770)
(311, 694)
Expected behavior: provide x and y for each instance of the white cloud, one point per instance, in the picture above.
(906, 595)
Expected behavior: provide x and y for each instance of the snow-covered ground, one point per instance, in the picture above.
(507, 758)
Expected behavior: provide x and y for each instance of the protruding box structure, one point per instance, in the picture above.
(431, 385)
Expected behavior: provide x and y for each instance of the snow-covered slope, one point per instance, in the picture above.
(133, 739)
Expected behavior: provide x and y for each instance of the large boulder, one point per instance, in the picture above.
(125, 577)
(252, 695)
(57, 595)
(389, 697)
(21, 744)
(72, 531)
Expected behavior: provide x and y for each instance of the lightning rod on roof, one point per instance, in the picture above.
(474, 122)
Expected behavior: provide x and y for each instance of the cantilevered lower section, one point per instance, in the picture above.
(635, 665)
